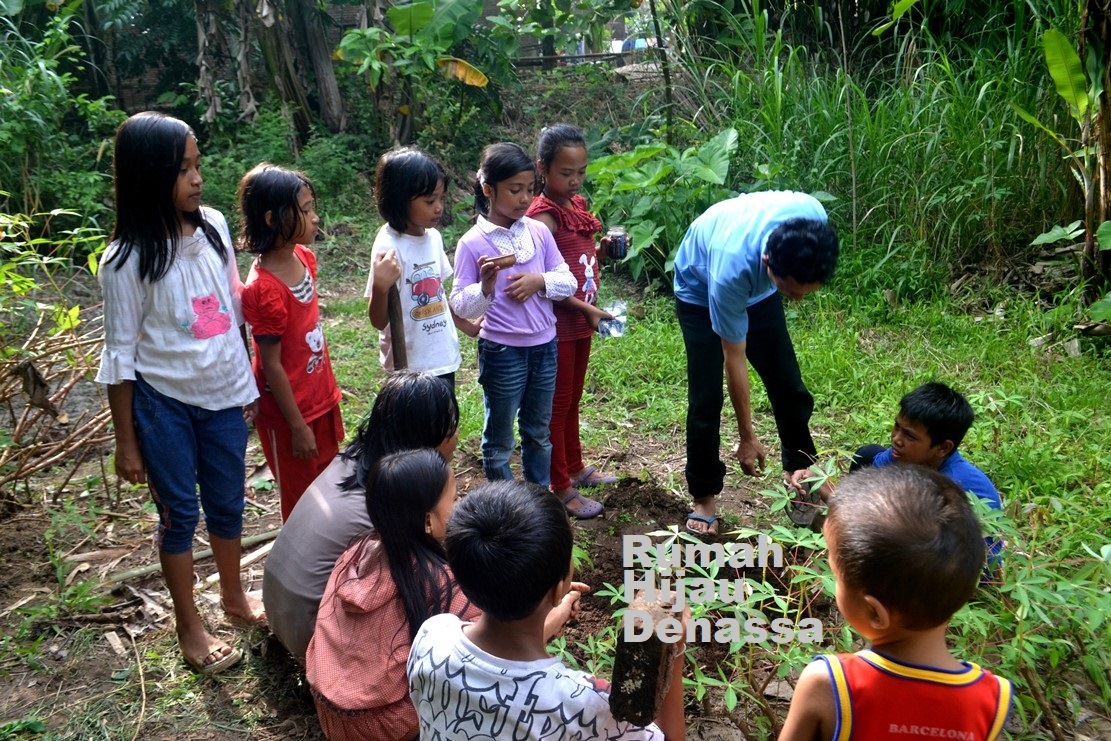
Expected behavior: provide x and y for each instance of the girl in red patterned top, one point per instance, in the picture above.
(561, 162)
(298, 422)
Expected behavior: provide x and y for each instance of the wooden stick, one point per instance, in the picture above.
(247, 560)
(206, 553)
(397, 328)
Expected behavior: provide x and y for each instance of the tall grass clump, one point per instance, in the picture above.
(930, 166)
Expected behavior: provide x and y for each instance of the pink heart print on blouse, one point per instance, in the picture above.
(211, 319)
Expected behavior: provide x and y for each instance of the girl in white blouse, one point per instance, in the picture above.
(179, 381)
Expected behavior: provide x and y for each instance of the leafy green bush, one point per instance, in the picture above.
(925, 153)
(267, 140)
(36, 261)
(656, 191)
(342, 171)
(53, 140)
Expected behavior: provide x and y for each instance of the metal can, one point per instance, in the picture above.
(619, 242)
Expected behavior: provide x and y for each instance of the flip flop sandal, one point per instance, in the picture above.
(257, 620)
(805, 508)
(588, 508)
(710, 521)
(219, 665)
(590, 478)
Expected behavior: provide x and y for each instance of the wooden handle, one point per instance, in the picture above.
(397, 329)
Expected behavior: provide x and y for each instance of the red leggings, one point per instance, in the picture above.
(293, 475)
(567, 450)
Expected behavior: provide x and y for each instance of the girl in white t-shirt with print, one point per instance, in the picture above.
(175, 363)
(409, 253)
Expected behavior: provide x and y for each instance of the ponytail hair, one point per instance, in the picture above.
(556, 137)
(148, 153)
(499, 162)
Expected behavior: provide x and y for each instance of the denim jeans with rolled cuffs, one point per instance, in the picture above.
(517, 382)
(187, 448)
(769, 351)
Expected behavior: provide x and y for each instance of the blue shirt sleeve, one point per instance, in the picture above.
(970, 478)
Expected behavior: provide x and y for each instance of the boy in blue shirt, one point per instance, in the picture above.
(931, 423)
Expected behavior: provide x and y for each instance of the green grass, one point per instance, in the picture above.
(1043, 434)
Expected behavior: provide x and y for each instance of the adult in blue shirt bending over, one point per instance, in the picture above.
(731, 267)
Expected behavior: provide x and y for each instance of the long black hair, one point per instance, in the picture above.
(413, 410)
(499, 162)
(402, 490)
(149, 149)
(270, 189)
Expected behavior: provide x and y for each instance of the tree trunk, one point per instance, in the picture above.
(276, 48)
(248, 106)
(311, 31)
(1096, 34)
(208, 39)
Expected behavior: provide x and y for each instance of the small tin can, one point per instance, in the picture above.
(619, 242)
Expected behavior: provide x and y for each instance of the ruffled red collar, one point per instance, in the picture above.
(575, 219)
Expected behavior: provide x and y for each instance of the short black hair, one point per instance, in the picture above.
(508, 543)
(803, 249)
(270, 189)
(556, 137)
(945, 413)
(907, 536)
(402, 175)
(499, 162)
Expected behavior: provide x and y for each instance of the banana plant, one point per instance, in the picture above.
(1079, 84)
(416, 44)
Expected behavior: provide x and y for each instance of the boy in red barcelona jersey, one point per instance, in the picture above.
(906, 551)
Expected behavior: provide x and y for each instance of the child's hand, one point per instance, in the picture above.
(523, 285)
(565, 612)
(386, 270)
(304, 443)
(129, 463)
(796, 481)
(595, 315)
(578, 589)
(471, 329)
(604, 247)
(681, 645)
(250, 412)
(488, 275)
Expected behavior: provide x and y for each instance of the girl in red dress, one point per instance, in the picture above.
(561, 162)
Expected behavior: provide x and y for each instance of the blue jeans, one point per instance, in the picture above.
(517, 382)
(186, 447)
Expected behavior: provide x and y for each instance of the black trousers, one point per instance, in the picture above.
(864, 456)
(770, 353)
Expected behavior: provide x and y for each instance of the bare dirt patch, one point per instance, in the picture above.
(60, 666)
